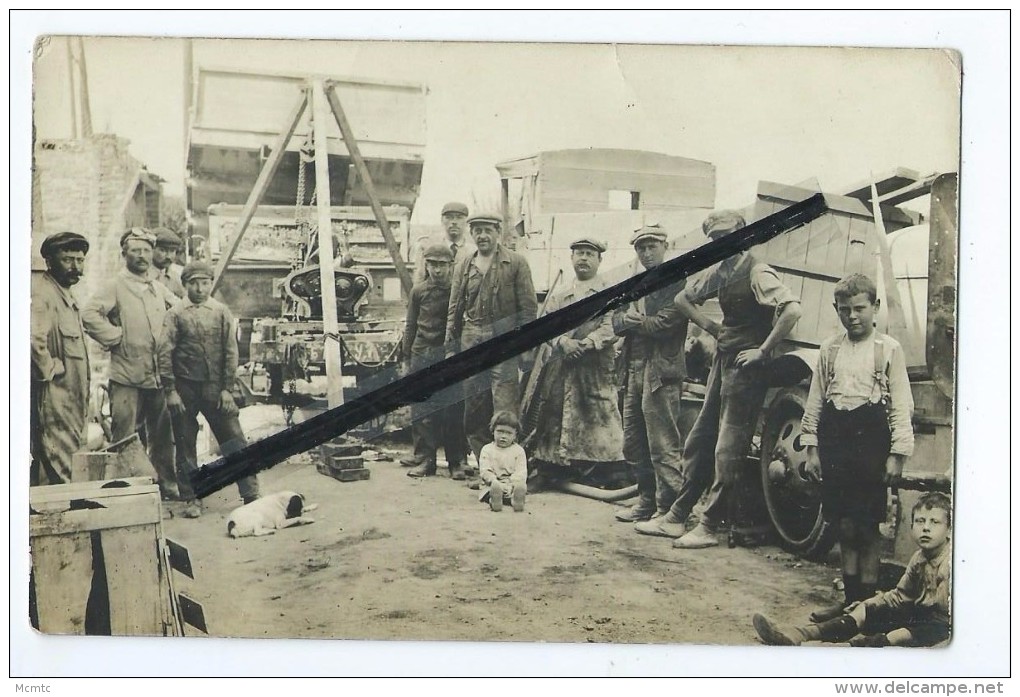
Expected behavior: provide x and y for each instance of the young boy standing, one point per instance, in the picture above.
(197, 363)
(914, 613)
(432, 425)
(504, 465)
(857, 430)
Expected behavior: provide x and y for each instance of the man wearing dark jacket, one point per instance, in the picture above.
(654, 331)
(491, 293)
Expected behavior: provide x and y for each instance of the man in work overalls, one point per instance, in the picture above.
(126, 317)
(60, 361)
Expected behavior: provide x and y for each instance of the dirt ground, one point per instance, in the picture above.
(398, 558)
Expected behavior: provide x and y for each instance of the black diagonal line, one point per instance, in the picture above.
(420, 385)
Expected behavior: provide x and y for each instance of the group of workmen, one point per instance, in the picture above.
(172, 356)
(473, 287)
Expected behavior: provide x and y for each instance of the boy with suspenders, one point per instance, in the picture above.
(858, 434)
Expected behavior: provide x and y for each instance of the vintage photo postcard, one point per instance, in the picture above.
(435, 341)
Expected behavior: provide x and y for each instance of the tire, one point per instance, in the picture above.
(792, 500)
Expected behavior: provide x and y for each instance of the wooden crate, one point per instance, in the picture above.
(97, 550)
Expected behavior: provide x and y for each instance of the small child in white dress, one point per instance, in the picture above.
(504, 465)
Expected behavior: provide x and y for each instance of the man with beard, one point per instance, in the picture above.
(491, 293)
(60, 361)
(126, 317)
(570, 403)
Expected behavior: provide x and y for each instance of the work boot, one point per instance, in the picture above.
(474, 483)
(698, 538)
(665, 525)
(425, 469)
(410, 462)
(635, 513)
(192, 509)
(496, 496)
(773, 634)
(457, 473)
(873, 641)
(517, 499)
(851, 593)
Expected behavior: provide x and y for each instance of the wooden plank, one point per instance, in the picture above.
(327, 271)
(62, 571)
(139, 486)
(261, 183)
(366, 180)
(67, 522)
(132, 576)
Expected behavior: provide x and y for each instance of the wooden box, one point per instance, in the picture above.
(97, 550)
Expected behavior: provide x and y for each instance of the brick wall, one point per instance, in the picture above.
(89, 186)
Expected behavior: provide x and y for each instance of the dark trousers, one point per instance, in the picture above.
(143, 410)
(716, 450)
(926, 626)
(485, 394)
(203, 398)
(652, 442)
(853, 447)
(437, 424)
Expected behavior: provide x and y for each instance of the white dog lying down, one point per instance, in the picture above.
(269, 514)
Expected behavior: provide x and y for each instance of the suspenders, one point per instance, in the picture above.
(880, 374)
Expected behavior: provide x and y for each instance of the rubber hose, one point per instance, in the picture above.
(591, 492)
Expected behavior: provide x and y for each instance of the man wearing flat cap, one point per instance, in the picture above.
(126, 317)
(60, 362)
(491, 293)
(758, 312)
(197, 364)
(570, 402)
(654, 331)
(164, 257)
(456, 238)
(439, 421)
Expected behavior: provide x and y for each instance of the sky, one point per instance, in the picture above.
(835, 116)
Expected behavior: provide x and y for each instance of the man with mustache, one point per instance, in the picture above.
(126, 317)
(571, 398)
(491, 293)
(60, 361)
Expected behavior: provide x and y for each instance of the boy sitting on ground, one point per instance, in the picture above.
(914, 613)
(504, 465)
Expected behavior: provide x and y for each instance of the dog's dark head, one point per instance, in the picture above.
(295, 506)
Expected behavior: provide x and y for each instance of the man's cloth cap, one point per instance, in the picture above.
(438, 252)
(196, 269)
(645, 232)
(722, 223)
(455, 207)
(165, 237)
(63, 240)
(591, 242)
(485, 218)
(140, 234)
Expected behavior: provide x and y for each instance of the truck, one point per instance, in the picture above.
(552, 198)
(271, 280)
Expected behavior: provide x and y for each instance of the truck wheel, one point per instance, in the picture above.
(793, 501)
